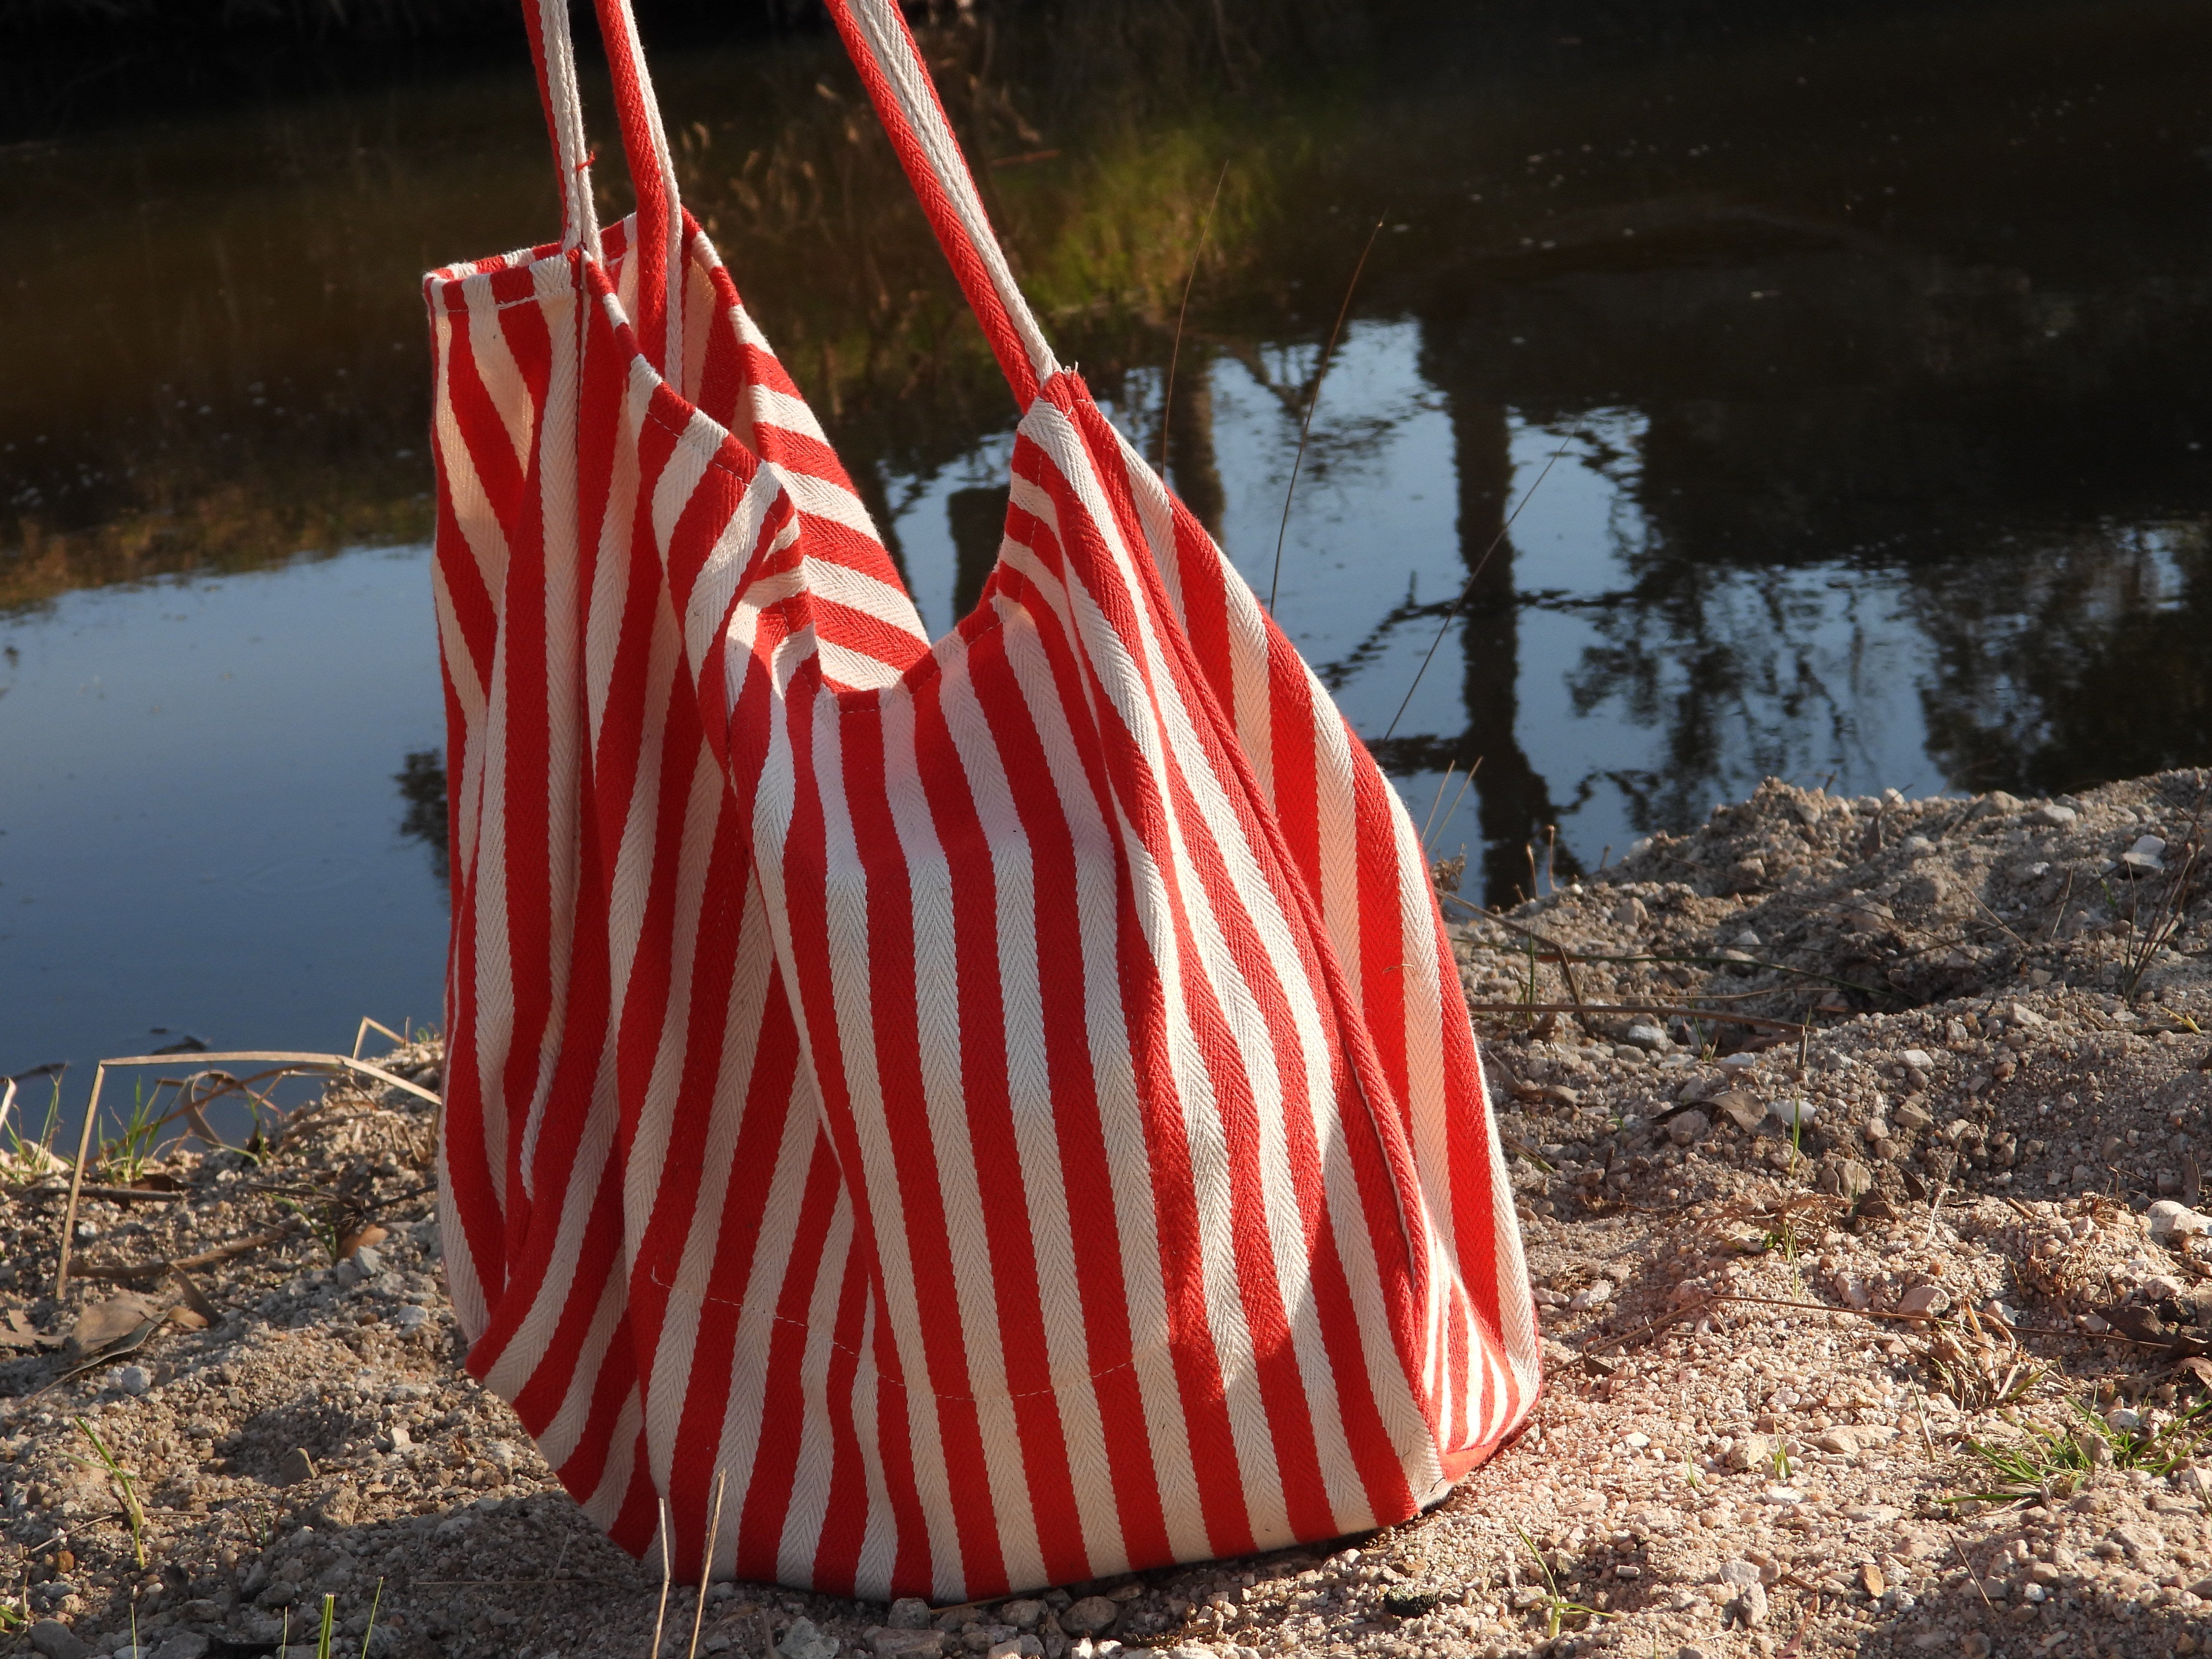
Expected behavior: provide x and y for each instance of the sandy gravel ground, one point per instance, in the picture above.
(1874, 1314)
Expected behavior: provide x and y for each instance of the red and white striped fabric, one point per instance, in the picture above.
(1002, 1110)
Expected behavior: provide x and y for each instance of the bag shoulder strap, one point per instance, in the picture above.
(554, 55)
(883, 48)
(658, 245)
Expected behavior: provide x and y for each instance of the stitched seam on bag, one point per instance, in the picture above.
(900, 1383)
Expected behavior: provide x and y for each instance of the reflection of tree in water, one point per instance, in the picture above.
(2066, 665)
(422, 780)
(1740, 675)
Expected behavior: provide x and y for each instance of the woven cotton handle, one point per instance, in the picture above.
(658, 248)
(883, 48)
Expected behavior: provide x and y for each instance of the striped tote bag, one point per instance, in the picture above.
(923, 1118)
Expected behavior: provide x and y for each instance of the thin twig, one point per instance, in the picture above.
(1665, 1010)
(1443, 784)
(117, 1194)
(1320, 370)
(1465, 783)
(1167, 398)
(660, 1613)
(1685, 959)
(707, 1563)
(1976, 1577)
(1566, 967)
(205, 1259)
(280, 1057)
(1467, 589)
(1932, 1319)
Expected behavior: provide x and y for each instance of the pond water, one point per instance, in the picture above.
(1812, 391)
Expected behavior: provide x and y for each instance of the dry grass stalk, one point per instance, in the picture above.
(283, 1059)
(660, 1613)
(707, 1563)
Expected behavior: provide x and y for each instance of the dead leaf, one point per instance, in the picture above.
(372, 1235)
(195, 1312)
(2143, 1324)
(1742, 1107)
(2197, 1366)
(16, 1335)
(106, 1325)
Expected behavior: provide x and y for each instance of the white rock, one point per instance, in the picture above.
(1737, 1574)
(134, 1379)
(2169, 1220)
(2050, 813)
(2151, 848)
(1092, 1615)
(1595, 1295)
(803, 1640)
(1781, 1495)
(1919, 1058)
(1647, 1037)
(1793, 1114)
(408, 1317)
(909, 1612)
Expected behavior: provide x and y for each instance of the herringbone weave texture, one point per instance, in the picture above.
(1001, 1111)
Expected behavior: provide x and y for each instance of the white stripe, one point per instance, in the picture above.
(1047, 1205)
(745, 1418)
(825, 499)
(938, 1036)
(1114, 1080)
(817, 1450)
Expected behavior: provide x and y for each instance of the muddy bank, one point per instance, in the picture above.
(1857, 1143)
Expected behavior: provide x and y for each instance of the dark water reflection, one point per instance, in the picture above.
(1861, 352)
